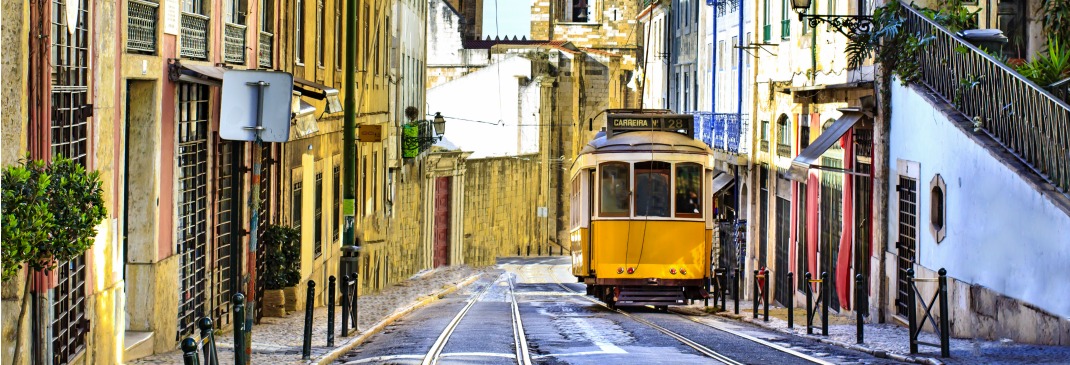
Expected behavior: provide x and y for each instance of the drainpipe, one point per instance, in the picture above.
(739, 93)
(713, 63)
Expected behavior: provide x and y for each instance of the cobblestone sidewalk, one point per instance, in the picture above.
(279, 340)
(892, 341)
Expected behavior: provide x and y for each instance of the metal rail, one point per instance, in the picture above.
(1025, 118)
(523, 356)
(435, 352)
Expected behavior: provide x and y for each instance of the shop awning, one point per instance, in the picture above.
(198, 74)
(722, 181)
(304, 117)
(807, 159)
(320, 92)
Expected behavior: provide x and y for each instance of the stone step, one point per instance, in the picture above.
(138, 345)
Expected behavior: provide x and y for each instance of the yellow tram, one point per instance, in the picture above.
(641, 225)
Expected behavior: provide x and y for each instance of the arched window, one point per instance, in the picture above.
(652, 189)
(615, 189)
(783, 135)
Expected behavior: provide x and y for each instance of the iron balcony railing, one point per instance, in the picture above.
(234, 43)
(141, 26)
(194, 36)
(723, 131)
(1024, 117)
(266, 44)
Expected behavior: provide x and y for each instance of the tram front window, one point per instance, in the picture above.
(688, 190)
(652, 189)
(615, 189)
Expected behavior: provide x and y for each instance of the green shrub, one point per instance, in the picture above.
(1048, 67)
(283, 245)
(50, 213)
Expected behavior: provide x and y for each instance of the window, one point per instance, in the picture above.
(689, 190)
(579, 11)
(364, 184)
(615, 193)
(295, 207)
(783, 131)
(694, 90)
(336, 202)
(299, 34)
(378, 44)
(937, 208)
(804, 130)
(318, 215)
(785, 20)
(70, 91)
(191, 178)
(767, 29)
(339, 41)
(735, 53)
(687, 90)
(765, 130)
(364, 40)
(652, 189)
(721, 59)
(375, 176)
(320, 46)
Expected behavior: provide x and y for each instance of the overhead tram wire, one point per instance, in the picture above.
(502, 123)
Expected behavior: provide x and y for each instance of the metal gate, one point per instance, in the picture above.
(268, 179)
(763, 221)
(863, 204)
(192, 202)
(831, 221)
(227, 226)
(442, 221)
(783, 247)
(69, 325)
(906, 249)
(802, 253)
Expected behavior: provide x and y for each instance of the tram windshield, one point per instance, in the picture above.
(615, 189)
(652, 189)
(688, 190)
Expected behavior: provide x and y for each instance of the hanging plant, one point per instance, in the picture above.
(50, 213)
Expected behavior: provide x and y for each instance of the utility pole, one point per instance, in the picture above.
(350, 248)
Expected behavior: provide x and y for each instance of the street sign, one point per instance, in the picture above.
(370, 133)
(255, 100)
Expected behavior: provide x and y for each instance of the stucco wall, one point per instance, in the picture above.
(501, 197)
(1002, 234)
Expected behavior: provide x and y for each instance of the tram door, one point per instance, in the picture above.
(590, 220)
(442, 221)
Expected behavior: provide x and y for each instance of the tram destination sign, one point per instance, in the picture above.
(679, 123)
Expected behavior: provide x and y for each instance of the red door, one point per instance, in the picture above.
(442, 220)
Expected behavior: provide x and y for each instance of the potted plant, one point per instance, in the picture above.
(283, 267)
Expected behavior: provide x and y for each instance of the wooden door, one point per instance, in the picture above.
(442, 221)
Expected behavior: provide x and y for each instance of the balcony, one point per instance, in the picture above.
(783, 150)
(723, 131)
(416, 138)
(141, 26)
(1025, 118)
(194, 36)
(234, 43)
(266, 43)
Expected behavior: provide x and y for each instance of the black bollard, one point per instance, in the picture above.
(189, 352)
(330, 311)
(945, 324)
(239, 328)
(346, 284)
(765, 294)
(826, 294)
(306, 348)
(809, 304)
(754, 309)
(912, 315)
(858, 308)
(735, 282)
(354, 301)
(208, 342)
(791, 300)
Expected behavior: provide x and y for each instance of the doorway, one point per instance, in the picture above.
(443, 194)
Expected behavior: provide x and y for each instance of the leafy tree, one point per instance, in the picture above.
(283, 245)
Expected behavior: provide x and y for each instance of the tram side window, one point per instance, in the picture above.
(615, 189)
(652, 189)
(688, 190)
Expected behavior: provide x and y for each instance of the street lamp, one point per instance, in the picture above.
(849, 25)
(440, 124)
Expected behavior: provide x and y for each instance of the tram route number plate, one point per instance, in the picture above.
(680, 123)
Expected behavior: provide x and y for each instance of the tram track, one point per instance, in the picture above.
(521, 355)
(684, 339)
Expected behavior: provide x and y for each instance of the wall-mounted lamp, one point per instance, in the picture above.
(849, 25)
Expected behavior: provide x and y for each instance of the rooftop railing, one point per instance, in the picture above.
(234, 43)
(722, 131)
(1025, 118)
(141, 26)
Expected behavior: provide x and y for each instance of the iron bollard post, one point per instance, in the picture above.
(754, 308)
(735, 282)
(306, 348)
(809, 304)
(791, 300)
(239, 328)
(765, 294)
(211, 357)
(724, 289)
(330, 310)
(189, 352)
(911, 311)
(345, 305)
(858, 308)
(354, 302)
(945, 324)
(826, 293)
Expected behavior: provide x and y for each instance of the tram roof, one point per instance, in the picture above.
(652, 141)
